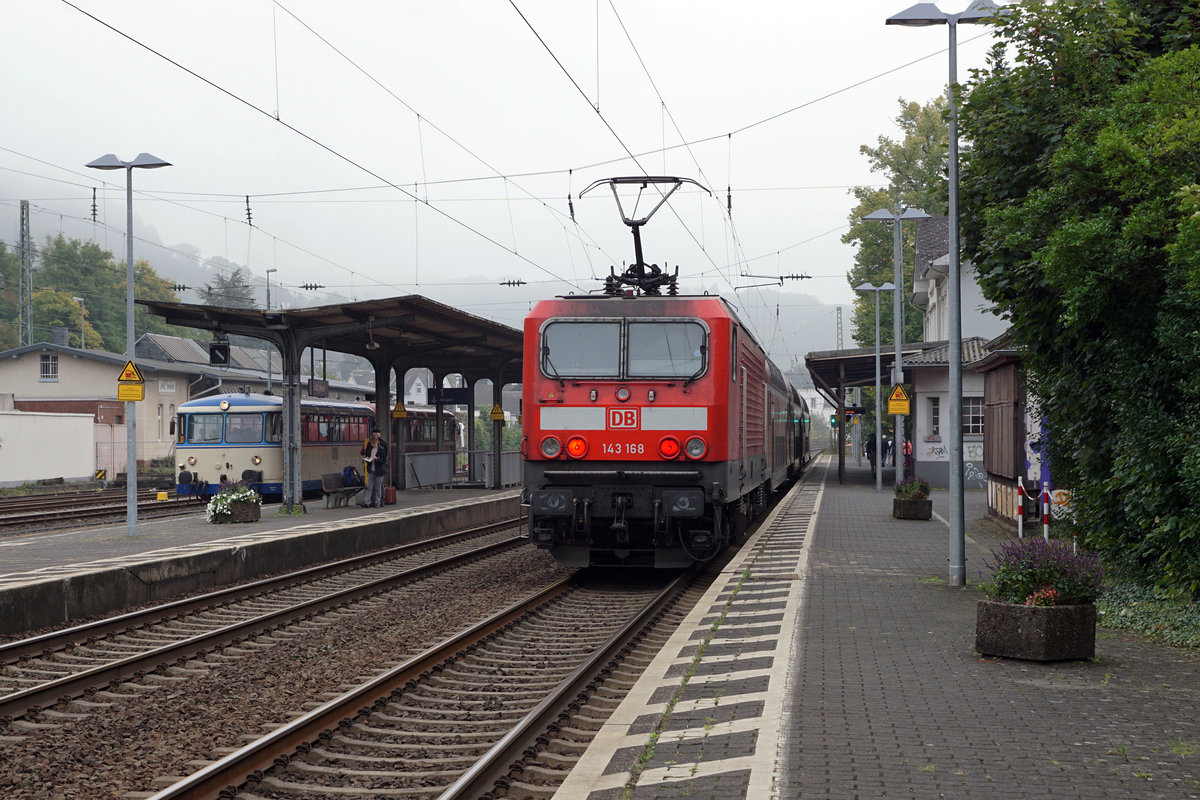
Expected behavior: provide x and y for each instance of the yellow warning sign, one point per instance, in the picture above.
(399, 412)
(131, 391)
(130, 374)
(898, 402)
(497, 412)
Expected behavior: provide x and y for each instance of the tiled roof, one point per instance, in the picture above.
(175, 348)
(933, 241)
(972, 350)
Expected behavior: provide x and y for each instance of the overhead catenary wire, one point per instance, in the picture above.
(316, 142)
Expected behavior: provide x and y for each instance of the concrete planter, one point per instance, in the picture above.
(245, 512)
(1035, 633)
(903, 508)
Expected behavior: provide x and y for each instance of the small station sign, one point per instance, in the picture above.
(898, 401)
(131, 386)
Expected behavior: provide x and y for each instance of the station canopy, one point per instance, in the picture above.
(410, 330)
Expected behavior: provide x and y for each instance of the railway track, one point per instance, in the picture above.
(496, 705)
(37, 512)
(504, 708)
(63, 665)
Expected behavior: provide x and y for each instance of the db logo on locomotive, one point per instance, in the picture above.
(624, 419)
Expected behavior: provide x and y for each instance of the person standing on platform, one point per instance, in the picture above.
(374, 454)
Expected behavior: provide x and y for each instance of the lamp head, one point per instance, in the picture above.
(109, 161)
(925, 14)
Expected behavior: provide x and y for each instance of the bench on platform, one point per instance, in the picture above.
(333, 484)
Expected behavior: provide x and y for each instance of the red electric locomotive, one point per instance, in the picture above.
(654, 426)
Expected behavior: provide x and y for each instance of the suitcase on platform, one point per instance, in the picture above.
(389, 495)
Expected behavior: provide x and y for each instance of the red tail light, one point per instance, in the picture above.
(669, 447)
(577, 447)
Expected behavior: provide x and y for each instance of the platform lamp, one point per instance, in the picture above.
(918, 16)
(143, 161)
(896, 216)
(866, 287)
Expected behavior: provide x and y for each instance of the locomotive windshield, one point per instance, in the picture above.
(582, 350)
(638, 349)
(665, 350)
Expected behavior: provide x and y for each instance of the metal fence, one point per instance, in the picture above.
(425, 470)
(510, 467)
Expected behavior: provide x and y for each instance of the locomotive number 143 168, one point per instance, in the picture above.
(628, 449)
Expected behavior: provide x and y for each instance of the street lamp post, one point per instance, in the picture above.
(922, 15)
(143, 161)
(80, 301)
(272, 269)
(896, 216)
(866, 287)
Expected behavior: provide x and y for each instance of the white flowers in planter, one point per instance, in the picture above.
(220, 508)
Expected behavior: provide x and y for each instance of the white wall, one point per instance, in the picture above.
(36, 445)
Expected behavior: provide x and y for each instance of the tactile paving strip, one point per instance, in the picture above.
(704, 720)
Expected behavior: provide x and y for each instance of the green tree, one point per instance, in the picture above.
(230, 291)
(1081, 200)
(915, 169)
(58, 309)
(72, 268)
(10, 297)
(83, 269)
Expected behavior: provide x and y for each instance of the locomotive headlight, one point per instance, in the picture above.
(623, 393)
(551, 447)
(696, 447)
(669, 447)
(192, 461)
(256, 460)
(577, 447)
(224, 404)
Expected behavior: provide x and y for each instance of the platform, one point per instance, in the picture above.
(833, 660)
(61, 576)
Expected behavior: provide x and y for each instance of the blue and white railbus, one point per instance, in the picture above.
(239, 437)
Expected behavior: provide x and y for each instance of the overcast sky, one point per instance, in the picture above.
(401, 147)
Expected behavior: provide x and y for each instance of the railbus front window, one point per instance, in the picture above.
(666, 350)
(582, 350)
(204, 428)
(244, 428)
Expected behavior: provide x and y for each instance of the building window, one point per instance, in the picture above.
(972, 416)
(935, 416)
(49, 368)
(160, 421)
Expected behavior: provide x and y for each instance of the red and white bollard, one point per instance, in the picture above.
(1046, 511)
(1020, 508)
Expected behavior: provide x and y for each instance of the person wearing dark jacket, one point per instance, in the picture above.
(374, 455)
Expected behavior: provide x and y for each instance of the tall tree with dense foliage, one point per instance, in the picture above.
(1081, 212)
(915, 170)
(10, 297)
(231, 291)
(74, 268)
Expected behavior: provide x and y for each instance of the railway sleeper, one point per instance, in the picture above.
(357, 777)
(411, 747)
(302, 790)
(393, 735)
(430, 720)
(408, 763)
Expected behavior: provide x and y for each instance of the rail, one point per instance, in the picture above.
(18, 703)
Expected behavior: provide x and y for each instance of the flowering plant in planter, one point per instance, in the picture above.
(222, 506)
(912, 488)
(1035, 572)
(1042, 602)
